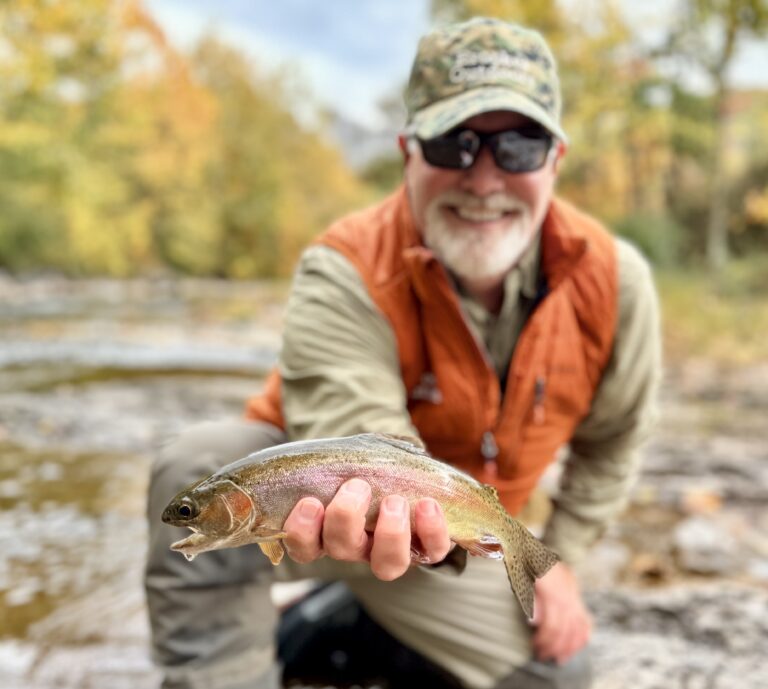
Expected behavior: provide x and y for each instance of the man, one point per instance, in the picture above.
(473, 309)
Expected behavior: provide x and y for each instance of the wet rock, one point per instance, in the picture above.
(724, 617)
(605, 563)
(16, 660)
(706, 546)
(80, 412)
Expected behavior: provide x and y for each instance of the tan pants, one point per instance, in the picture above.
(213, 623)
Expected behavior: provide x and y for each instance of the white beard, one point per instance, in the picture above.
(478, 254)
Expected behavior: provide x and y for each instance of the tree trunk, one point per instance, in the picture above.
(717, 220)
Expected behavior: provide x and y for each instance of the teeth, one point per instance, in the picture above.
(478, 214)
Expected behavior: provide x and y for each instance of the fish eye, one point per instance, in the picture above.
(187, 509)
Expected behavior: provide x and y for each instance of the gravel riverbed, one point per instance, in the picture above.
(95, 375)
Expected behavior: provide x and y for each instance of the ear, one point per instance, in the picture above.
(402, 144)
(560, 150)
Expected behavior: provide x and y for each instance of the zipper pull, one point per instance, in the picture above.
(488, 447)
(490, 450)
(538, 400)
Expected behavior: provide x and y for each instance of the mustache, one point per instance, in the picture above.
(498, 201)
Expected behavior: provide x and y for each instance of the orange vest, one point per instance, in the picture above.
(455, 399)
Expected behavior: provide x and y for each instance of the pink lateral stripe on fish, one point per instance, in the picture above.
(249, 500)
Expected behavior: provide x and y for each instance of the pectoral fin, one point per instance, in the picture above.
(487, 546)
(273, 550)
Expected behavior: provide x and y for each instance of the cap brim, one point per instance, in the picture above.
(438, 118)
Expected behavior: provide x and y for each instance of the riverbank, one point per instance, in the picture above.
(95, 376)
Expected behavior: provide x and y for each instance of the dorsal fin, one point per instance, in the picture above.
(403, 442)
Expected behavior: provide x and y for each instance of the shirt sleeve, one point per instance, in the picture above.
(603, 457)
(339, 361)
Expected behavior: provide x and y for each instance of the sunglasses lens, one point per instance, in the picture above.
(515, 152)
(455, 150)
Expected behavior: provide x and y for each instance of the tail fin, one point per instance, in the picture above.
(526, 559)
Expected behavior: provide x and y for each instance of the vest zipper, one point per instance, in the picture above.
(488, 448)
(538, 400)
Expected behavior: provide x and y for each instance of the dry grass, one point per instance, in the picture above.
(723, 319)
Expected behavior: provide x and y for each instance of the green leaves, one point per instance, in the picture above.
(121, 156)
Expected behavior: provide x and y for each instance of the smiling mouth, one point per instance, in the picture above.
(480, 215)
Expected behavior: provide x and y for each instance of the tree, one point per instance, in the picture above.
(709, 35)
(119, 155)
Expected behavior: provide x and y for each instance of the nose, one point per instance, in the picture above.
(484, 177)
(168, 514)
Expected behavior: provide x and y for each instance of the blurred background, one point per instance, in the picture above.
(162, 164)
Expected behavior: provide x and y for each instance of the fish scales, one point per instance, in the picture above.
(249, 500)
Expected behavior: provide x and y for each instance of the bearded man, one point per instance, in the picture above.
(472, 309)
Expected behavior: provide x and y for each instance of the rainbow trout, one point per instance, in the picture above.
(249, 500)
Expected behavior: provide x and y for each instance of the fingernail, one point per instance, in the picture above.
(428, 508)
(309, 510)
(395, 506)
(356, 487)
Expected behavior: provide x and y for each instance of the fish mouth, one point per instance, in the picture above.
(200, 542)
(194, 544)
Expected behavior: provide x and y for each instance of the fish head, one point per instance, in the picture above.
(218, 511)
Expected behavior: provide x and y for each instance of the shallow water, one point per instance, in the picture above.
(95, 376)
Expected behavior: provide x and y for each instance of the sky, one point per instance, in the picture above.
(352, 53)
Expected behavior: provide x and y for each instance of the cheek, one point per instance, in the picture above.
(425, 183)
(215, 518)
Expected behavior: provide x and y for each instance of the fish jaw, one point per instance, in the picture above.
(199, 542)
(194, 544)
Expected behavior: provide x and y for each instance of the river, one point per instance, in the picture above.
(94, 375)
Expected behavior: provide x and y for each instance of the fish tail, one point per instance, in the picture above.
(526, 559)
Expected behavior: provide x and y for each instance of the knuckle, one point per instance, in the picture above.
(301, 554)
(341, 518)
(338, 552)
(344, 546)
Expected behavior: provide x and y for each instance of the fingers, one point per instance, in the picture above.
(562, 633)
(339, 531)
(432, 531)
(563, 623)
(304, 527)
(344, 536)
(391, 550)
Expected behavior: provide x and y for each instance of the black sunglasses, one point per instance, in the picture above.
(514, 150)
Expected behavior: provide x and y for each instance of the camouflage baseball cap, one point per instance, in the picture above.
(478, 66)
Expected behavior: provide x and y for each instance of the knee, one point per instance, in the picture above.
(201, 450)
(204, 448)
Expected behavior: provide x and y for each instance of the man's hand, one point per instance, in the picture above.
(339, 531)
(563, 623)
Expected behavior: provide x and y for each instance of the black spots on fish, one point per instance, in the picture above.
(521, 583)
(538, 558)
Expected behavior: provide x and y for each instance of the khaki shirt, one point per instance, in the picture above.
(341, 375)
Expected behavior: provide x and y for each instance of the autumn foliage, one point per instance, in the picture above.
(121, 156)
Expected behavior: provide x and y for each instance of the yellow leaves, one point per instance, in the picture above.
(119, 154)
(756, 206)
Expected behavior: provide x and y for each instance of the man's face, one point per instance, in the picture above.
(480, 221)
